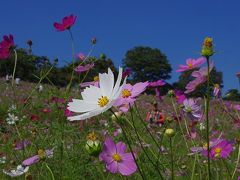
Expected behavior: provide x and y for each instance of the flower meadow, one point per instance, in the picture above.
(110, 128)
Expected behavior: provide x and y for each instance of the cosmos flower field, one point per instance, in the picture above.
(111, 129)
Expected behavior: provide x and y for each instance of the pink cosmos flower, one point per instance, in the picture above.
(191, 64)
(200, 77)
(129, 94)
(192, 108)
(35, 159)
(80, 56)
(67, 23)
(80, 69)
(116, 158)
(156, 83)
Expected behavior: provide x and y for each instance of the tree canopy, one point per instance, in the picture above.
(147, 64)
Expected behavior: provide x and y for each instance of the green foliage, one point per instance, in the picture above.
(147, 64)
(232, 95)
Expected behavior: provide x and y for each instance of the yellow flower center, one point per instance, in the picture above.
(92, 136)
(117, 157)
(190, 65)
(102, 101)
(96, 78)
(41, 153)
(217, 152)
(126, 93)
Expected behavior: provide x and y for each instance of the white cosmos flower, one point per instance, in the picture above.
(97, 100)
(20, 170)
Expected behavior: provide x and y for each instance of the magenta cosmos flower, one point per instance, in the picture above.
(219, 148)
(179, 96)
(66, 24)
(116, 158)
(129, 94)
(5, 45)
(191, 64)
(126, 72)
(80, 69)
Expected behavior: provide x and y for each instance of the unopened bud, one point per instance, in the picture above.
(169, 132)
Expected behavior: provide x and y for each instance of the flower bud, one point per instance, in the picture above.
(169, 132)
(93, 147)
(171, 93)
(207, 47)
(116, 115)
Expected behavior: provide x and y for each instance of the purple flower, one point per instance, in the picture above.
(221, 150)
(35, 159)
(22, 144)
(192, 108)
(179, 96)
(116, 158)
(191, 64)
(5, 45)
(84, 68)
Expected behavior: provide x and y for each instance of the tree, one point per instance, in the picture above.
(147, 64)
(232, 95)
(216, 77)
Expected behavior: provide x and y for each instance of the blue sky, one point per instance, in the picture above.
(176, 27)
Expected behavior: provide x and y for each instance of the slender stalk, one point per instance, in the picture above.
(49, 169)
(15, 66)
(135, 129)
(172, 163)
(149, 132)
(207, 118)
(238, 159)
(128, 142)
(179, 123)
(73, 52)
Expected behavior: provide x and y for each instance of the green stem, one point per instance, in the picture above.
(49, 169)
(135, 129)
(128, 142)
(207, 118)
(15, 66)
(238, 159)
(172, 163)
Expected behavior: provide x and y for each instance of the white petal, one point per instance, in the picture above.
(106, 82)
(119, 78)
(84, 115)
(91, 94)
(81, 106)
